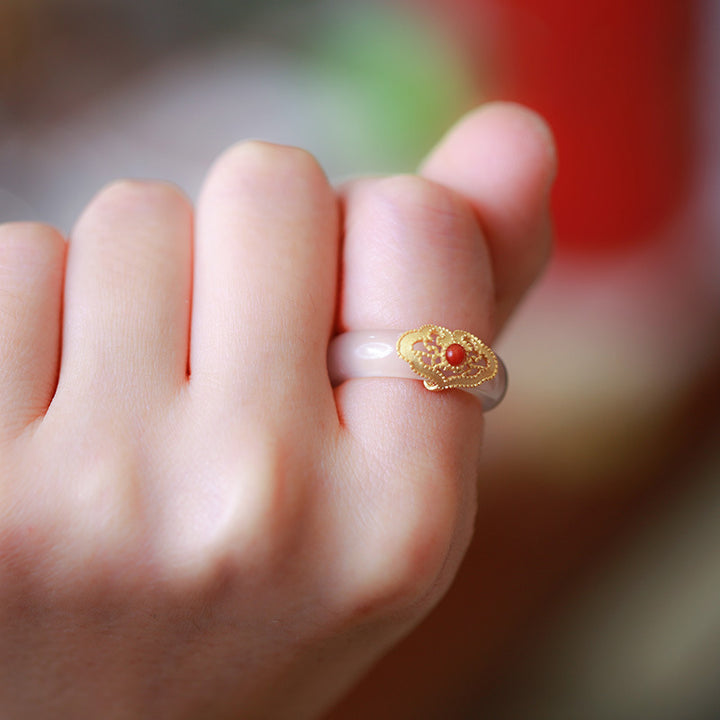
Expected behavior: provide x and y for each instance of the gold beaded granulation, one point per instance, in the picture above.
(432, 352)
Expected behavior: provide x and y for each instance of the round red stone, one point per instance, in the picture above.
(455, 354)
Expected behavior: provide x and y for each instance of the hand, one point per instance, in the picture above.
(193, 523)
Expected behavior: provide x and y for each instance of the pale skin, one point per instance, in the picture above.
(193, 522)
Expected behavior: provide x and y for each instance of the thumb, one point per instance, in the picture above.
(501, 158)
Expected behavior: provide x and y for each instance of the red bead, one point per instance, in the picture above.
(455, 354)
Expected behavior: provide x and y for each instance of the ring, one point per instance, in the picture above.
(442, 358)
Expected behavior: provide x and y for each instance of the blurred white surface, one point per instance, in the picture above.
(171, 123)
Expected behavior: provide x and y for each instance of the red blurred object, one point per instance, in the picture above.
(615, 79)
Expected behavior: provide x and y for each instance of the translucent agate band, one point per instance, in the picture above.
(390, 353)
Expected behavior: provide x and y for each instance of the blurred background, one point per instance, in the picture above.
(592, 589)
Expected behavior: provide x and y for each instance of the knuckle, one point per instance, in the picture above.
(130, 189)
(28, 244)
(267, 164)
(422, 205)
(125, 199)
(249, 520)
(70, 534)
(401, 567)
(104, 543)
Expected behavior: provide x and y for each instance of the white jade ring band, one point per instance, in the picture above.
(442, 358)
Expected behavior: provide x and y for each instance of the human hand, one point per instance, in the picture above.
(193, 522)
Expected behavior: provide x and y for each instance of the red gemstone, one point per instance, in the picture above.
(455, 354)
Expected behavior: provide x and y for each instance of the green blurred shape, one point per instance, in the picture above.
(406, 82)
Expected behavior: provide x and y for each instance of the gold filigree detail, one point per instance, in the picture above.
(425, 350)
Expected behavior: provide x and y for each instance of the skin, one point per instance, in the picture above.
(193, 522)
